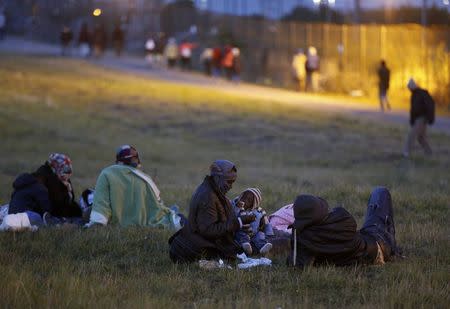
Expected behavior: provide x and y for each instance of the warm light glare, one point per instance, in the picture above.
(97, 12)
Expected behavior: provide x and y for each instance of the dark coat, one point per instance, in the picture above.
(63, 205)
(29, 195)
(210, 228)
(384, 76)
(422, 105)
(328, 237)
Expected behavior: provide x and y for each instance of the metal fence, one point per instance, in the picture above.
(349, 54)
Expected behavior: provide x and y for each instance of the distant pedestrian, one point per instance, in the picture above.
(150, 47)
(298, 66)
(2, 25)
(65, 37)
(237, 64)
(217, 62)
(186, 55)
(312, 66)
(99, 40)
(384, 76)
(160, 45)
(206, 60)
(171, 52)
(227, 62)
(118, 39)
(84, 41)
(421, 114)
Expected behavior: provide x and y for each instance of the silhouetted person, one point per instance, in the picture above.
(298, 65)
(384, 76)
(206, 60)
(99, 40)
(171, 52)
(421, 114)
(118, 39)
(84, 40)
(65, 37)
(217, 62)
(312, 70)
(186, 55)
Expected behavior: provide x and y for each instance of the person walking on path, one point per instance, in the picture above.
(84, 41)
(99, 40)
(298, 66)
(65, 37)
(384, 76)
(312, 70)
(118, 39)
(171, 53)
(421, 114)
(206, 60)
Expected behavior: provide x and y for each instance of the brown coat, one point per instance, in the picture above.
(210, 229)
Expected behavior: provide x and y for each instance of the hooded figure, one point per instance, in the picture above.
(212, 223)
(422, 114)
(48, 190)
(322, 237)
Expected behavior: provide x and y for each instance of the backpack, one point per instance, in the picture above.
(429, 107)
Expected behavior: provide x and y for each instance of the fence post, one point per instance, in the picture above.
(308, 35)
(362, 57)
(345, 47)
(383, 41)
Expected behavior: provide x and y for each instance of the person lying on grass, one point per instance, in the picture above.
(125, 195)
(46, 196)
(320, 236)
(210, 230)
(255, 240)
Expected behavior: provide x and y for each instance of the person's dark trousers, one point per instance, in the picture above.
(379, 221)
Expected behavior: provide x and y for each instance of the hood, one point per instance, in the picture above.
(24, 180)
(309, 210)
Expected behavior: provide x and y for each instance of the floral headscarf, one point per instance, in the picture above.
(61, 165)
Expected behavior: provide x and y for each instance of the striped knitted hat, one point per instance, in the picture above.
(256, 193)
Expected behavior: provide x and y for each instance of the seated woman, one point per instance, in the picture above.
(322, 237)
(127, 196)
(46, 194)
(209, 232)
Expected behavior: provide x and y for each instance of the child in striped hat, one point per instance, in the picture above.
(253, 239)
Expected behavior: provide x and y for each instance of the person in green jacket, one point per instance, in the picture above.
(127, 196)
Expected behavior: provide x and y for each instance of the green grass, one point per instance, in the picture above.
(55, 105)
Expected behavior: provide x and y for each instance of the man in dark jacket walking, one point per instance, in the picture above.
(212, 223)
(320, 237)
(421, 114)
(384, 76)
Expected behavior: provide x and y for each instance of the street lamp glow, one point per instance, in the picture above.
(316, 1)
(97, 12)
(446, 2)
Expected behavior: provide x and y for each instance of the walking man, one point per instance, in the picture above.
(384, 76)
(421, 114)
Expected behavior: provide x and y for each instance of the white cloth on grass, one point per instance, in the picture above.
(17, 222)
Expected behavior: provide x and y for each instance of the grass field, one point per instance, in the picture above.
(54, 105)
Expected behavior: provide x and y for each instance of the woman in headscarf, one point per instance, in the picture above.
(46, 193)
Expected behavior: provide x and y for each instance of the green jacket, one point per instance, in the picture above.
(127, 196)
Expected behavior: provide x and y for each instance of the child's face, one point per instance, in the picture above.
(248, 199)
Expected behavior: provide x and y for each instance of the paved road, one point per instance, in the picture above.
(361, 109)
